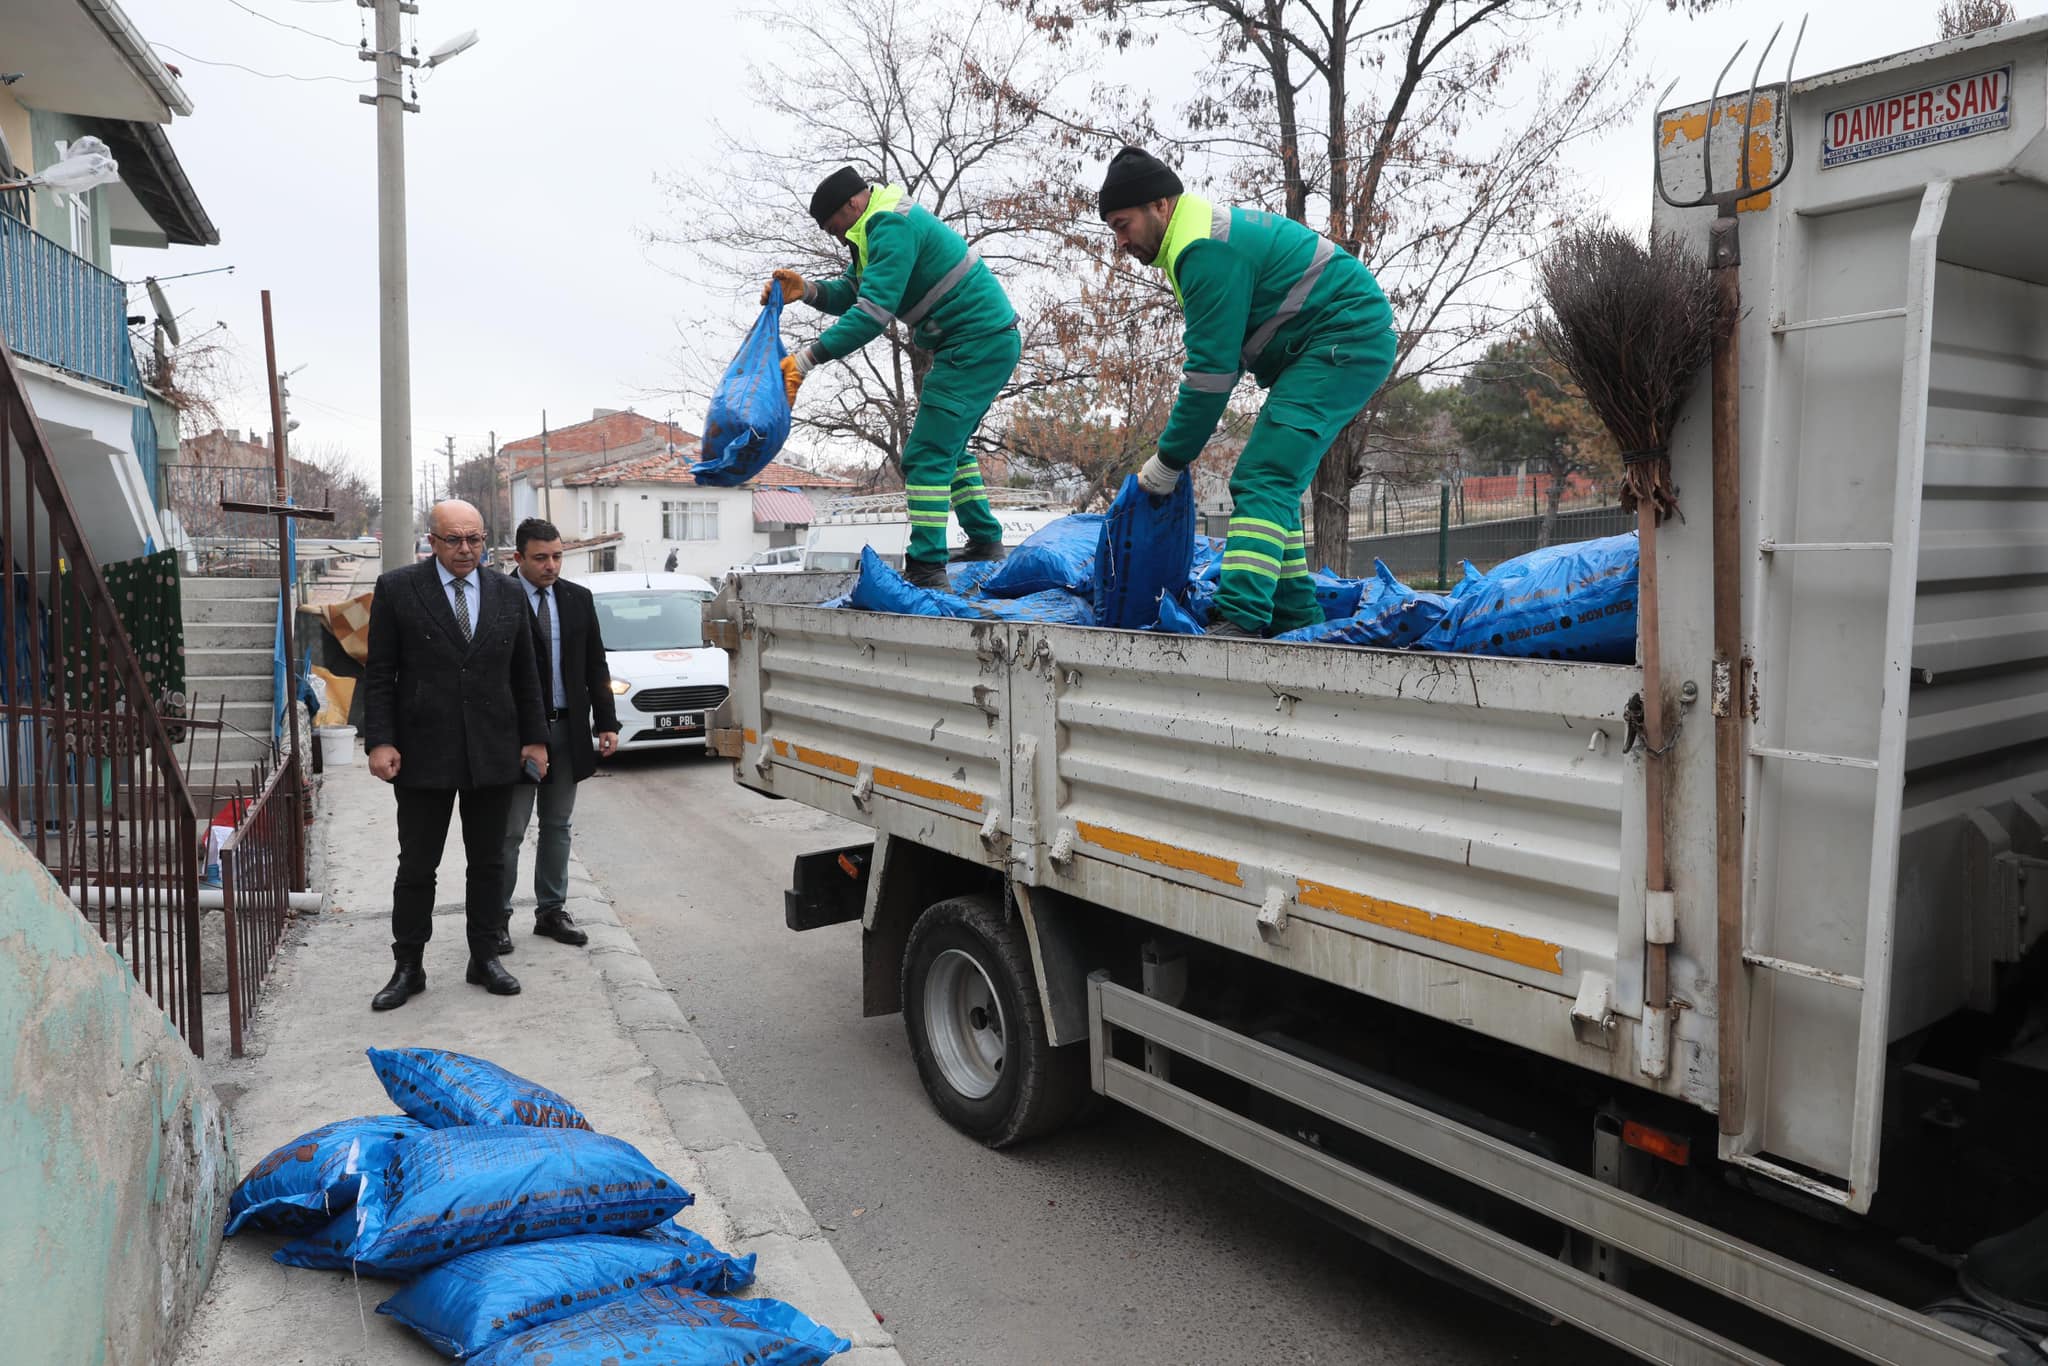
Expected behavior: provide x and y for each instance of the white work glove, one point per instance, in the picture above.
(1158, 478)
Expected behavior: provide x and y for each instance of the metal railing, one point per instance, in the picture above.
(259, 870)
(89, 778)
(61, 309)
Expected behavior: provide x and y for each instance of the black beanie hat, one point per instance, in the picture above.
(1136, 177)
(833, 192)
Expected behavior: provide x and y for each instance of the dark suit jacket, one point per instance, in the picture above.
(457, 711)
(586, 677)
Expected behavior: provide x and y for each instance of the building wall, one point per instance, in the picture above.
(52, 215)
(14, 126)
(116, 1152)
(635, 511)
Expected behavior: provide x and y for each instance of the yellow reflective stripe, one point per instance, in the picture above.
(1238, 564)
(1279, 532)
(1274, 541)
(1240, 554)
(880, 200)
(1194, 220)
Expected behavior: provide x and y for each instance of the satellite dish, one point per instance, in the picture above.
(164, 318)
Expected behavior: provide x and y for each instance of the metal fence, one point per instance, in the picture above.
(1423, 532)
(223, 544)
(260, 867)
(61, 309)
(89, 778)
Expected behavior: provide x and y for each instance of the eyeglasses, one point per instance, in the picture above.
(460, 540)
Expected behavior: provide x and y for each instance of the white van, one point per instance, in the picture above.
(665, 677)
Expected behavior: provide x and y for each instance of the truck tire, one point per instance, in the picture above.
(971, 1009)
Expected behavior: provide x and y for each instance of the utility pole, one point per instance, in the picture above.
(547, 491)
(394, 324)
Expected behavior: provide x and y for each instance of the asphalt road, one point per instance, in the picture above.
(1118, 1243)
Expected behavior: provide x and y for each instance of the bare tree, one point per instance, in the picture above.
(1390, 128)
(1961, 18)
(323, 469)
(899, 92)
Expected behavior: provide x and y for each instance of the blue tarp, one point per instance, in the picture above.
(1147, 570)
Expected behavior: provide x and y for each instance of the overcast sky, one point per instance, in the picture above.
(531, 178)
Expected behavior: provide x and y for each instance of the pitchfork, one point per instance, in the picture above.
(1725, 258)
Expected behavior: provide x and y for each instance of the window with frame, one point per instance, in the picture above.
(689, 521)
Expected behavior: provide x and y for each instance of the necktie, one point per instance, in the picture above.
(547, 644)
(462, 606)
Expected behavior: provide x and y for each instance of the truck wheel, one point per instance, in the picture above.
(970, 1006)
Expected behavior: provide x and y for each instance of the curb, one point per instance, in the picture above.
(738, 1170)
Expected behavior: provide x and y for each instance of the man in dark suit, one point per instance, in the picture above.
(451, 710)
(576, 689)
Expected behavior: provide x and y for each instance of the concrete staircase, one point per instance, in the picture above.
(230, 632)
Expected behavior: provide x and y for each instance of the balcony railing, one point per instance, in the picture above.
(61, 309)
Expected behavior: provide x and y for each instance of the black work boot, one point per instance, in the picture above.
(975, 552)
(559, 926)
(927, 574)
(490, 974)
(504, 944)
(1223, 628)
(408, 979)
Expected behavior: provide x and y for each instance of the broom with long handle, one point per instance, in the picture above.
(1634, 324)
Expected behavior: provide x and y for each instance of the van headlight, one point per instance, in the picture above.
(620, 687)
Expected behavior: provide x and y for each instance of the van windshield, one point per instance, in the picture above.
(833, 561)
(652, 619)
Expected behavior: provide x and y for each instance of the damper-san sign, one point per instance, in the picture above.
(1942, 112)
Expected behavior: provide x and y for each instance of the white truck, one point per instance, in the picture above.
(1378, 923)
(882, 522)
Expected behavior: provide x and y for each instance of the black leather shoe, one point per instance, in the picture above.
(927, 574)
(504, 945)
(558, 926)
(408, 980)
(490, 974)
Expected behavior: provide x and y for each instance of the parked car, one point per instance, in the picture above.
(783, 559)
(665, 678)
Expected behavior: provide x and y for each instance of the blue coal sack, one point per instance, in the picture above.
(671, 1326)
(749, 415)
(312, 1178)
(443, 1090)
(463, 1306)
(457, 1190)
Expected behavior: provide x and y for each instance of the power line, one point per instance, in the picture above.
(293, 27)
(266, 75)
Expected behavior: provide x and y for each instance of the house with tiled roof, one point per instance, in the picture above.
(620, 490)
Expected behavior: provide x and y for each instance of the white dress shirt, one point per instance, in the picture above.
(561, 696)
(473, 592)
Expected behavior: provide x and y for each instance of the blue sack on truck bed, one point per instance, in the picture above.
(749, 415)
(666, 1325)
(1058, 555)
(1390, 615)
(882, 589)
(1573, 601)
(1147, 548)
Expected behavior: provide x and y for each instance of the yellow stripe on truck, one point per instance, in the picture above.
(925, 787)
(1444, 929)
(1165, 855)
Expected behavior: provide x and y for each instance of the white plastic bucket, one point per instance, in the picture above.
(337, 745)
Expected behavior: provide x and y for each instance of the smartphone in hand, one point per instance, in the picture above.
(531, 770)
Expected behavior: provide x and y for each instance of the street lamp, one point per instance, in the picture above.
(394, 325)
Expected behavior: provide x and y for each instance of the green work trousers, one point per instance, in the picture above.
(1265, 585)
(939, 473)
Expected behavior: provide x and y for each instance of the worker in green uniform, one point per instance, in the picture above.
(909, 267)
(1264, 294)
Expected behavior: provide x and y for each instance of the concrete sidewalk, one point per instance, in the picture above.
(595, 1024)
